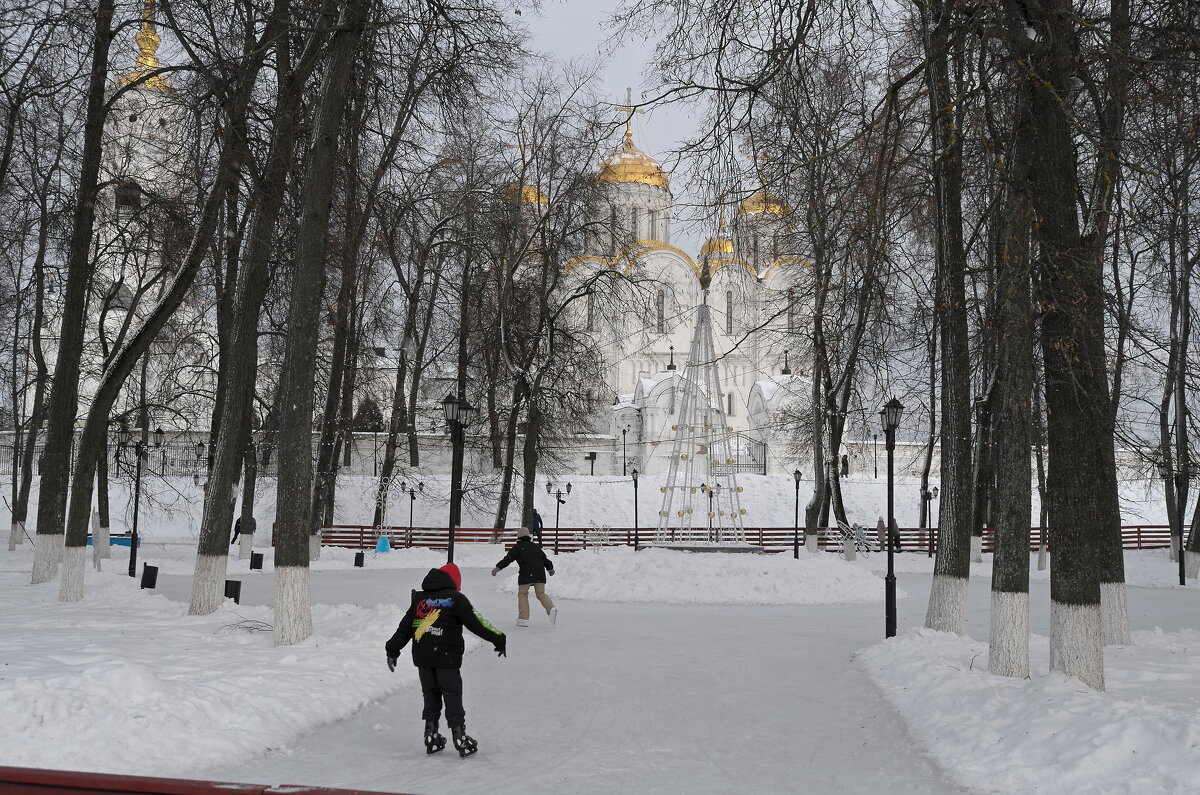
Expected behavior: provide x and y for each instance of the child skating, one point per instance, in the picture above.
(434, 623)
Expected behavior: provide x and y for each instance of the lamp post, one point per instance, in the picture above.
(706, 489)
(890, 414)
(635, 511)
(412, 499)
(458, 413)
(624, 457)
(875, 437)
(796, 522)
(929, 496)
(199, 458)
(559, 502)
(141, 452)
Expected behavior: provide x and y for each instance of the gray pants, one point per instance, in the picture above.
(539, 590)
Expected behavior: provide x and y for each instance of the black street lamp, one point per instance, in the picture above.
(890, 415)
(929, 496)
(624, 457)
(412, 499)
(141, 452)
(875, 437)
(796, 523)
(458, 414)
(559, 502)
(199, 458)
(635, 511)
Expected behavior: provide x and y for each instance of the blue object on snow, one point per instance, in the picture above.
(383, 545)
(117, 541)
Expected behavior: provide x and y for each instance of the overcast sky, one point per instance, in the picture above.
(576, 30)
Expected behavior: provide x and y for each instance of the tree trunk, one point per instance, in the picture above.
(948, 597)
(64, 395)
(293, 612)
(1071, 299)
(1012, 392)
(253, 280)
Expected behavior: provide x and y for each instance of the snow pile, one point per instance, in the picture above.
(125, 681)
(711, 578)
(996, 734)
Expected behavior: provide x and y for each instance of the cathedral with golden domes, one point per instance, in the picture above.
(754, 288)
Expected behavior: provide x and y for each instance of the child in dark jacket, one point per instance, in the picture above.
(434, 623)
(532, 567)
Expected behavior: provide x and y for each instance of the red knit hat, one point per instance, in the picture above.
(452, 570)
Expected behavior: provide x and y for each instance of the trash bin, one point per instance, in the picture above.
(149, 575)
(359, 557)
(256, 560)
(233, 590)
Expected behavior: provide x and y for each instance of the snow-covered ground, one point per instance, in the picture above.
(667, 671)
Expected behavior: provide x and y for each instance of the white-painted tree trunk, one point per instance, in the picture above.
(208, 584)
(16, 535)
(1114, 614)
(1191, 563)
(101, 536)
(1043, 557)
(1076, 647)
(1174, 547)
(977, 549)
(70, 586)
(47, 552)
(245, 546)
(947, 604)
(810, 543)
(1009, 655)
(293, 611)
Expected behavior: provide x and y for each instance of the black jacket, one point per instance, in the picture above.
(532, 562)
(434, 623)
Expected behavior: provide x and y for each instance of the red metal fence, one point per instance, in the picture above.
(771, 539)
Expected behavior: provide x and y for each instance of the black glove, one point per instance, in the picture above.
(501, 646)
(391, 663)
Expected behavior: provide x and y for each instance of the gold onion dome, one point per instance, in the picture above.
(761, 202)
(631, 165)
(521, 192)
(719, 243)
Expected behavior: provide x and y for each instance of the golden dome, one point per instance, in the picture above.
(719, 243)
(520, 192)
(762, 202)
(630, 164)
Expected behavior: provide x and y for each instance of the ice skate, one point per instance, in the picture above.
(521, 622)
(553, 615)
(465, 744)
(434, 741)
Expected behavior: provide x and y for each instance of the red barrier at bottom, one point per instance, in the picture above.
(37, 781)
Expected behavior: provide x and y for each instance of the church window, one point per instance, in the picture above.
(662, 312)
(634, 217)
(653, 224)
(774, 247)
(791, 310)
(754, 248)
(729, 400)
(729, 311)
(591, 312)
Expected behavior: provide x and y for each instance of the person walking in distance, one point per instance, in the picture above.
(535, 526)
(434, 623)
(532, 568)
